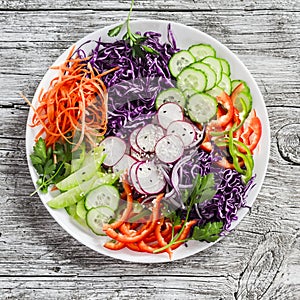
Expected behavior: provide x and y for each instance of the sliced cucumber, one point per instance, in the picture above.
(93, 155)
(225, 83)
(71, 196)
(77, 193)
(215, 64)
(201, 51)
(225, 66)
(179, 61)
(90, 166)
(105, 195)
(243, 101)
(191, 78)
(77, 163)
(97, 217)
(71, 210)
(210, 74)
(188, 93)
(235, 83)
(77, 177)
(81, 210)
(201, 107)
(170, 95)
(215, 92)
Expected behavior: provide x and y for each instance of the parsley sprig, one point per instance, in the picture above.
(50, 171)
(135, 40)
(204, 189)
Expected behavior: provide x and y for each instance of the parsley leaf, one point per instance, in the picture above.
(135, 40)
(210, 232)
(204, 189)
(50, 172)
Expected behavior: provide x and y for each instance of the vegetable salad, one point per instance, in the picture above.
(146, 144)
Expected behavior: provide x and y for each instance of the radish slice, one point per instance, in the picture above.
(114, 148)
(184, 130)
(148, 136)
(138, 155)
(133, 177)
(168, 113)
(132, 139)
(124, 164)
(149, 177)
(169, 149)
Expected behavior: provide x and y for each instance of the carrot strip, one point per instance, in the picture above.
(75, 101)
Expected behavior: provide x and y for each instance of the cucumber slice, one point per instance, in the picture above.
(201, 51)
(105, 195)
(235, 83)
(188, 93)
(77, 163)
(90, 166)
(210, 74)
(202, 107)
(71, 210)
(81, 210)
(225, 83)
(77, 177)
(97, 217)
(243, 101)
(77, 193)
(170, 95)
(179, 61)
(215, 92)
(225, 66)
(93, 156)
(71, 196)
(191, 78)
(215, 64)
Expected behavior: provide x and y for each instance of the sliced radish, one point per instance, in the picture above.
(169, 149)
(168, 113)
(133, 177)
(124, 164)
(148, 136)
(149, 177)
(184, 130)
(132, 139)
(138, 155)
(114, 148)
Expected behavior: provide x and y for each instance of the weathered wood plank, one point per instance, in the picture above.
(114, 287)
(153, 5)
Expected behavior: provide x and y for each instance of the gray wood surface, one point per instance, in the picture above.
(259, 260)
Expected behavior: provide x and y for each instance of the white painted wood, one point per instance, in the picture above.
(259, 260)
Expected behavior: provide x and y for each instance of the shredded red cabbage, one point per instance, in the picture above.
(231, 195)
(133, 88)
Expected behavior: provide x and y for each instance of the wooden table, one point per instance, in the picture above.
(259, 260)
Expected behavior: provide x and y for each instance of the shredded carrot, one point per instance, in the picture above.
(76, 101)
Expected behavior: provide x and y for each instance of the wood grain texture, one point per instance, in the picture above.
(258, 260)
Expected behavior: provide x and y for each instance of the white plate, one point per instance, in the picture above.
(185, 36)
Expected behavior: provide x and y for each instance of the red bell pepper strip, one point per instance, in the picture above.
(252, 132)
(226, 102)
